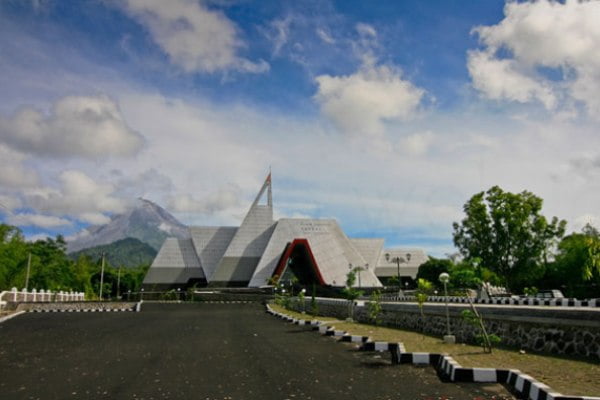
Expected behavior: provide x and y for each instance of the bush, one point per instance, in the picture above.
(374, 307)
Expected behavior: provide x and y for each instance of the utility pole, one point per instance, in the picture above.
(102, 277)
(28, 269)
(118, 281)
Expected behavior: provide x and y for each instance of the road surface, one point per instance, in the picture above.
(201, 351)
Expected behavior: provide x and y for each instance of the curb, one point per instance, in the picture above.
(71, 310)
(450, 370)
(6, 318)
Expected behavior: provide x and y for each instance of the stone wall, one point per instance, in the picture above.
(544, 329)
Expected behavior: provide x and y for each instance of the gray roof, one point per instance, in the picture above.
(211, 243)
(370, 249)
(332, 249)
(248, 244)
(176, 259)
(409, 268)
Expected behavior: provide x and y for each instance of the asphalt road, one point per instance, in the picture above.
(200, 351)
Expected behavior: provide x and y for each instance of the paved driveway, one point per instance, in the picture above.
(200, 351)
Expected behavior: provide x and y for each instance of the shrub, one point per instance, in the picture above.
(374, 307)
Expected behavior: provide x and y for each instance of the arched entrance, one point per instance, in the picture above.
(298, 261)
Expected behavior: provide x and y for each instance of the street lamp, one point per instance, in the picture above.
(101, 278)
(361, 269)
(303, 291)
(358, 269)
(444, 278)
(397, 261)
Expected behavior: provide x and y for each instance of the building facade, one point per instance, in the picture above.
(312, 250)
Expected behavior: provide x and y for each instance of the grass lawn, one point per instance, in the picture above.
(563, 374)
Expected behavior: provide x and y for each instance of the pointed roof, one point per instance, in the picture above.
(175, 263)
(249, 242)
(329, 247)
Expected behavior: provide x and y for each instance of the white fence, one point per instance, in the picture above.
(34, 295)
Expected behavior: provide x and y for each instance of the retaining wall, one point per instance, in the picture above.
(573, 331)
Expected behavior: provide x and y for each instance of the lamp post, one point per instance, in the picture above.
(303, 291)
(119, 284)
(28, 269)
(358, 269)
(448, 338)
(397, 261)
(102, 277)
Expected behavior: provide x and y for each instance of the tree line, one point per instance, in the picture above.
(504, 239)
(52, 269)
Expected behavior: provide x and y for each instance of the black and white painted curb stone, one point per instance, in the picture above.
(136, 308)
(70, 310)
(201, 302)
(524, 386)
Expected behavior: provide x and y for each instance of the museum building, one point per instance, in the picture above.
(313, 250)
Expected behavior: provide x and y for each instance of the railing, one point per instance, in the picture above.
(524, 301)
(25, 296)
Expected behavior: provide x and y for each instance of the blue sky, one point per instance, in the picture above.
(384, 115)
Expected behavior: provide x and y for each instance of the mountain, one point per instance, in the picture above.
(129, 252)
(146, 221)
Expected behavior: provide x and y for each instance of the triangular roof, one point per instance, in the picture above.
(249, 242)
(330, 248)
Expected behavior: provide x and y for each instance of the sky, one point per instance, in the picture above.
(387, 116)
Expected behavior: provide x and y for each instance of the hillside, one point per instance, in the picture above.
(129, 252)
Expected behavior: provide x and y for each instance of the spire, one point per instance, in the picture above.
(269, 193)
(266, 186)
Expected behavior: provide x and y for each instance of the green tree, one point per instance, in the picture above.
(13, 257)
(424, 289)
(350, 292)
(374, 307)
(432, 268)
(508, 233)
(577, 264)
(465, 275)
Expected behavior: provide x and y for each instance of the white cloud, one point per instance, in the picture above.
(8, 203)
(43, 221)
(278, 33)
(79, 196)
(94, 218)
(417, 144)
(194, 37)
(225, 198)
(542, 34)
(38, 236)
(361, 103)
(145, 184)
(325, 36)
(366, 30)
(13, 174)
(500, 80)
(81, 126)
(582, 220)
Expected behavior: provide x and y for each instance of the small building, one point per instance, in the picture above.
(312, 250)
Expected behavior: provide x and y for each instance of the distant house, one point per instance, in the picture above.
(312, 250)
